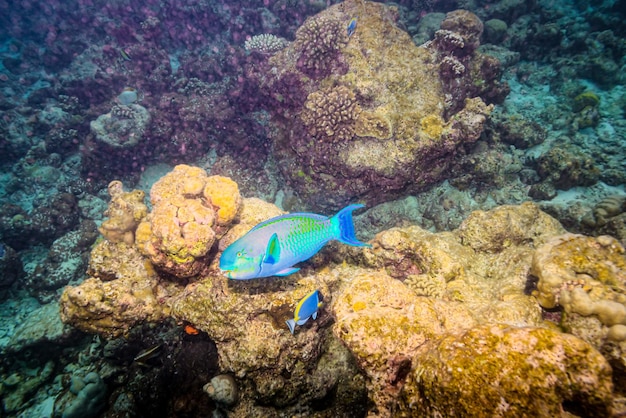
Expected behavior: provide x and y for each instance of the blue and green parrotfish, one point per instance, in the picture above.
(273, 247)
(306, 308)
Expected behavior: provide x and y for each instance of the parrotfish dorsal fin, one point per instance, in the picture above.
(272, 253)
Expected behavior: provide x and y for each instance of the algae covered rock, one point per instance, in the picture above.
(367, 115)
(586, 277)
(113, 300)
(504, 226)
(500, 371)
(125, 211)
(383, 323)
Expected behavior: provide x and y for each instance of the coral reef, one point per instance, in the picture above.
(395, 306)
(354, 113)
(374, 114)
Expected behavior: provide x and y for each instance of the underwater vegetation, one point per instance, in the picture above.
(154, 153)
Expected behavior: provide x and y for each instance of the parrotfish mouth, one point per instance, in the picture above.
(226, 273)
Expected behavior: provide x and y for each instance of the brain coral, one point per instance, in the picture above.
(372, 108)
(190, 210)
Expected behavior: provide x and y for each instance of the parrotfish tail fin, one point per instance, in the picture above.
(343, 220)
(291, 324)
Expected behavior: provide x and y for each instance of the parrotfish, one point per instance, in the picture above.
(305, 309)
(273, 247)
(351, 26)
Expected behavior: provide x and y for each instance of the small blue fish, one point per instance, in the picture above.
(272, 247)
(351, 26)
(306, 308)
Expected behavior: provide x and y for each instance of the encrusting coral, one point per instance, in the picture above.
(126, 210)
(586, 277)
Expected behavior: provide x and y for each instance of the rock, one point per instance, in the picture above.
(223, 389)
(90, 398)
(42, 326)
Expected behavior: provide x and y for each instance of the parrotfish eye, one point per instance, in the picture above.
(240, 254)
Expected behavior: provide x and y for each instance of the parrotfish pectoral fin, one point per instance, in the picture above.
(291, 324)
(272, 253)
(346, 226)
(287, 271)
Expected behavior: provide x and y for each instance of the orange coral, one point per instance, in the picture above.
(190, 210)
(223, 194)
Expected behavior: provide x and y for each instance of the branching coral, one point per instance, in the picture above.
(330, 114)
(265, 43)
(318, 41)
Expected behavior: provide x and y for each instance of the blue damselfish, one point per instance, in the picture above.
(273, 247)
(306, 308)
